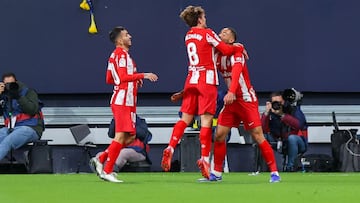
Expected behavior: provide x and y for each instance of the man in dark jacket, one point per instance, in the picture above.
(286, 124)
(22, 115)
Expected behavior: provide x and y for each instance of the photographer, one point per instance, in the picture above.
(285, 123)
(22, 116)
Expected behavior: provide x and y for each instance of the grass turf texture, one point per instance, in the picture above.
(180, 187)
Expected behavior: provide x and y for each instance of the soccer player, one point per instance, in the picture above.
(240, 104)
(121, 72)
(200, 90)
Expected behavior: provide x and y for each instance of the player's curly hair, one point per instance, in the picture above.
(114, 33)
(191, 15)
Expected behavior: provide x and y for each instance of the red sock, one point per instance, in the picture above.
(103, 156)
(178, 132)
(205, 141)
(114, 151)
(219, 155)
(268, 155)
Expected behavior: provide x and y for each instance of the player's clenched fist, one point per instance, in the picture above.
(177, 96)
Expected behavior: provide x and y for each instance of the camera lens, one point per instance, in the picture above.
(276, 105)
(289, 95)
(11, 86)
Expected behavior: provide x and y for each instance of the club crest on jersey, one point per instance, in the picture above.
(122, 61)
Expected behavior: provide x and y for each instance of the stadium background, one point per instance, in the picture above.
(309, 45)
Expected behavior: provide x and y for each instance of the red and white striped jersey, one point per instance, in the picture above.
(121, 72)
(200, 45)
(235, 72)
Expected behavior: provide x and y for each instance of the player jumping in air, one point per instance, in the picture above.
(200, 90)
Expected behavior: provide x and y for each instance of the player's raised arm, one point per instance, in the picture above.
(151, 76)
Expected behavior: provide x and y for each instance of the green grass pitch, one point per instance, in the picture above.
(180, 187)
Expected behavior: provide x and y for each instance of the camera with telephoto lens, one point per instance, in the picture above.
(292, 96)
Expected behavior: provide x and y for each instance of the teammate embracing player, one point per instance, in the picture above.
(200, 90)
(240, 105)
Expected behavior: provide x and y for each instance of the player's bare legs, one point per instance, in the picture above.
(219, 152)
(177, 133)
(205, 141)
(265, 147)
(266, 152)
(98, 162)
(110, 155)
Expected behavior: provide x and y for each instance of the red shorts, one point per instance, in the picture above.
(199, 99)
(240, 111)
(125, 118)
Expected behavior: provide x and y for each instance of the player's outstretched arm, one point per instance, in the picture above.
(229, 50)
(226, 49)
(120, 75)
(151, 76)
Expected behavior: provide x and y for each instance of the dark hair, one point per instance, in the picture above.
(114, 33)
(275, 94)
(7, 75)
(233, 32)
(191, 15)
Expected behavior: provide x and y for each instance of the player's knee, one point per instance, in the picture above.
(187, 121)
(206, 120)
(257, 134)
(221, 133)
(187, 118)
(220, 138)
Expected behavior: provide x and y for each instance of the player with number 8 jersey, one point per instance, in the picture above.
(200, 89)
(202, 78)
